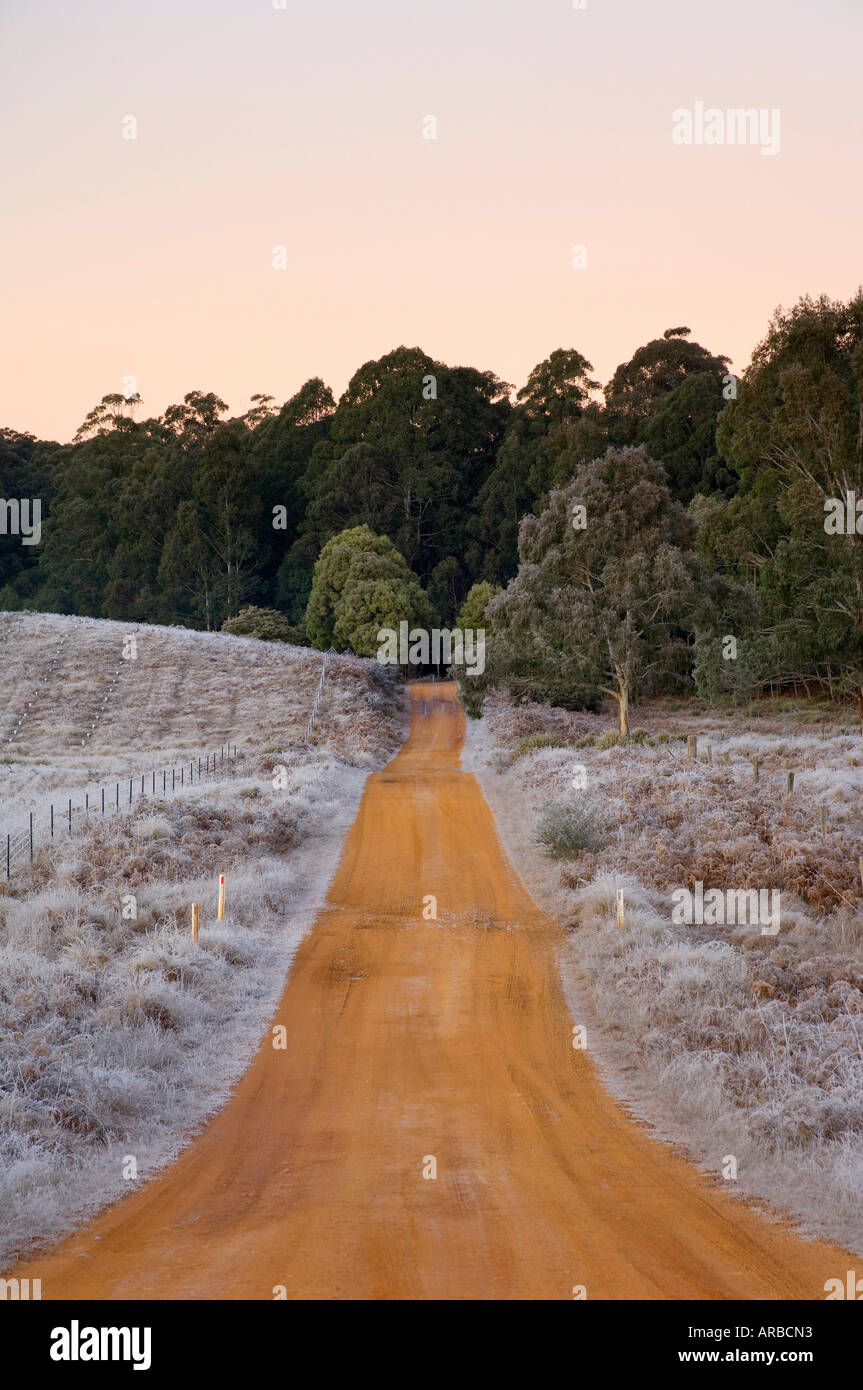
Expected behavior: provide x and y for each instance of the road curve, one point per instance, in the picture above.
(410, 1040)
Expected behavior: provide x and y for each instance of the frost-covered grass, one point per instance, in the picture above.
(733, 1042)
(119, 1035)
(80, 716)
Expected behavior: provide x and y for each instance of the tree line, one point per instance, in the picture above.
(427, 492)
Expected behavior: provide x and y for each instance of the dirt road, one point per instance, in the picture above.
(410, 1040)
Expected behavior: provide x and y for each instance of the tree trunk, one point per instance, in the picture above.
(622, 698)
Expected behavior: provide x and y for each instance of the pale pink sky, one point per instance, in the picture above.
(303, 126)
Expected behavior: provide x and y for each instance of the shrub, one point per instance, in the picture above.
(567, 828)
(610, 739)
(267, 624)
(472, 696)
(533, 741)
(152, 828)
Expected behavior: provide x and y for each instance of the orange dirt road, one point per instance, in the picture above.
(408, 1040)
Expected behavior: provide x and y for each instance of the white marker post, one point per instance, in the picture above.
(221, 897)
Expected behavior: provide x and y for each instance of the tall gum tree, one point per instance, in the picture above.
(609, 589)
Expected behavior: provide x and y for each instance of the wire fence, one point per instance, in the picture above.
(319, 692)
(64, 817)
(19, 848)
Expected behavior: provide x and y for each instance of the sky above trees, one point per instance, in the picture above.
(303, 128)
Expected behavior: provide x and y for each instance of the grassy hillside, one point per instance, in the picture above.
(74, 714)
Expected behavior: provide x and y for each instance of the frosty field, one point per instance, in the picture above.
(118, 1034)
(730, 1042)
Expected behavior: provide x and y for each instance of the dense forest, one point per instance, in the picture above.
(702, 499)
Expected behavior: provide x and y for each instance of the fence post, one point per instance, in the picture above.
(118, 796)
(70, 815)
(31, 837)
(756, 763)
(8, 856)
(789, 783)
(103, 801)
(194, 921)
(52, 820)
(221, 897)
(130, 791)
(620, 920)
(691, 746)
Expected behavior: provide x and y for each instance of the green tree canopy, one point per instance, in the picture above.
(794, 434)
(668, 397)
(411, 444)
(362, 584)
(608, 589)
(553, 427)
(473, 614)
